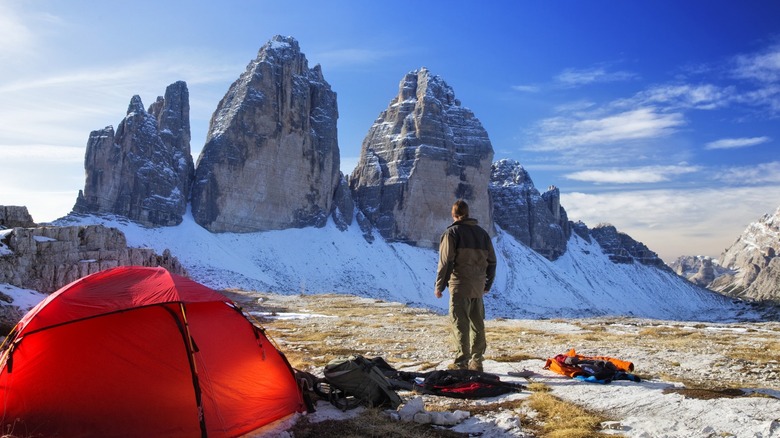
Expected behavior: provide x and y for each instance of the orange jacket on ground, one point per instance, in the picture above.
(558, 365)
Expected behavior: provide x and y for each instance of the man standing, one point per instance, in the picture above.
(467, 265)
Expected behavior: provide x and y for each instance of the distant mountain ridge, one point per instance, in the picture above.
(748, 269)
(269, 174)
(753, 261)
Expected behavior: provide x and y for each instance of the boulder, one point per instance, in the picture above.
(12, 216)
(422, 153)
(271, 159)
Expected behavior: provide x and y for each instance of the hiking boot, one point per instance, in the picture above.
(456, 366)
(475, 366)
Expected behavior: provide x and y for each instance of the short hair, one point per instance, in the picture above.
(460, 209)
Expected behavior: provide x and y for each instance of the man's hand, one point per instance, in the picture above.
(437, 293)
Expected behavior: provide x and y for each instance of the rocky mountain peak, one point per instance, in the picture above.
(422, 84)
(753, 262)
(271, 159)
(507, 173)
(143, 171)
(622, 248)
(422, 153)
(281, 47)
(135, 106)
(535, 219)
(700, 270)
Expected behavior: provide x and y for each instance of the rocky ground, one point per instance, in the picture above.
(699, 379)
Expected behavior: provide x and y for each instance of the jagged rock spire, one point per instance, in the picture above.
(143, 171)
(422, 153)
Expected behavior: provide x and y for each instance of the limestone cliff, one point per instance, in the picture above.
(12, 216)
(271, 159)
(535, 219)
(47, 258)
(421, 154)
(700, 270)
(754, 262)
(143, 171)
(622, 248)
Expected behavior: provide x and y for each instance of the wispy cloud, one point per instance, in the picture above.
(762, 70)
(763, 66)
(575, 77)
(15, 36)
(647, 174)
(41, 152)
(72, 103)
(733, 143)
(764, 173)
(677, 222)
(526, 88)
(682, 96)
(561, 133)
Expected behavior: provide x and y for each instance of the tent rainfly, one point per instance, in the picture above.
(133, 351)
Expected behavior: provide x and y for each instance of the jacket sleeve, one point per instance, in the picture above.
(491, 267)
(446, 261)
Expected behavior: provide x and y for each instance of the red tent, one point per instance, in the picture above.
(140, 352)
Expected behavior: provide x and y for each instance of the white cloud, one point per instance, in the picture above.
(72, 103)
(526, 88)
(40, 152)
(562, 133)
(732, 143)
(764, 173)
(764, 66)
(574, 77)
(647, 174)
(702, 97)
(677, 222)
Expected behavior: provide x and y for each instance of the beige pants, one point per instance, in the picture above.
(467, 316)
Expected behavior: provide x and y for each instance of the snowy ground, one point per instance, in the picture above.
(581, 283)
(683, 392)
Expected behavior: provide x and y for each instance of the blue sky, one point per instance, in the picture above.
(659, 117)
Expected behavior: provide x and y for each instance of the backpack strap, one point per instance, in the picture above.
(336, 397)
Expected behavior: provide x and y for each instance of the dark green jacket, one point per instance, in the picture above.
(467, 260)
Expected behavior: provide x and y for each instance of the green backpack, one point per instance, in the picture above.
(356, 381)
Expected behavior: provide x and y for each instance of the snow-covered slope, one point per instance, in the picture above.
(582, 282)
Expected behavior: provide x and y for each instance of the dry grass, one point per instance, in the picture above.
(564, 420)
(759, 353)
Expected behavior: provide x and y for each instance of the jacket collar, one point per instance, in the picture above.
(467, 221)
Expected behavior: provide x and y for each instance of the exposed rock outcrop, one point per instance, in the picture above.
(754, 262)
(421, 154)
(700, 270)
(12, 216)
(344, 204)
(621, 248)
(143, 171)
(47, 258)
(537, 220)
(271, 159)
